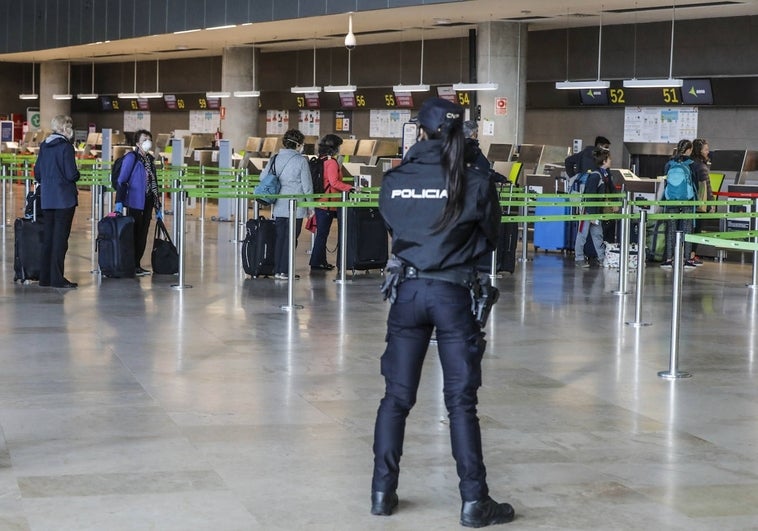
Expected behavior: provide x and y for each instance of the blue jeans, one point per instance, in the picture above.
(596, 233)
(421, 306)
(323, 227)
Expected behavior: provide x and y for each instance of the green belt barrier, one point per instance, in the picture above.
(725, 240)
(565, 217)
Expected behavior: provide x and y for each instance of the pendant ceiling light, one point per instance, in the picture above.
(33, 94)
(658, 83)
(254, 93)
(67, 95)
(157, 93)
(92, 95)
(463, 87)
(350, 44)
(131, 95)
(589, 84)
(421, 87)
(313, 88)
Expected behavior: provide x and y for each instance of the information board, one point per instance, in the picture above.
(660, 124)
(204, 121)
(134, 120)
(277, 122)
(309, 123)
(388, 123)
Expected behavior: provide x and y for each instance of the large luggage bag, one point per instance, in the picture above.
(258, 247)
(367, 239)
(115, 246)
(505, 253)
(550, 235)
(27, 249)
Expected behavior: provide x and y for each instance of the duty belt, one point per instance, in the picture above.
(462, 277)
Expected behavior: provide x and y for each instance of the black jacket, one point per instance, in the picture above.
(580, 162)
(56, 171)
(412, 199)
(596, 184)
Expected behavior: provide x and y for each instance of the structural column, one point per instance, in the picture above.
(241, 120)
(53, 80)
(501, 59)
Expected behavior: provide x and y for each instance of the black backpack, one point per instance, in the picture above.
(116, 170)
(316, 165)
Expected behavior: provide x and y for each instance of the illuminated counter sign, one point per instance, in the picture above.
(697, 92)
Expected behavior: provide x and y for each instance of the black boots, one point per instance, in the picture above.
(485, 512)
(383, 503)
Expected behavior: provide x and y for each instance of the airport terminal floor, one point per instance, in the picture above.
(126, 404)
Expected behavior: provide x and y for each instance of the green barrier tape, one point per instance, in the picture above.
(577, 217)
(722, 243)
(645, 202)
(703, 215)
(732, 235)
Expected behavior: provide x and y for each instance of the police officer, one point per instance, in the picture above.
(442, 216)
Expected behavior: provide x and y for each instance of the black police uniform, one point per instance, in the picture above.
(412, 199)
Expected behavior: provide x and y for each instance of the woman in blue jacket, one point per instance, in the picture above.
(56, 172)
(138, 191)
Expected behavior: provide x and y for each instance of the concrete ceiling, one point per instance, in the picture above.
(436, 21)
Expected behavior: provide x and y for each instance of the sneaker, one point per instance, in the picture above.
(283, 276)
(689, 264)
(581, 263)
(141, 272)
(696, 260)
(485, 512)
(668, 264)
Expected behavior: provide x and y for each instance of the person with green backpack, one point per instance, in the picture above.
(679, 187)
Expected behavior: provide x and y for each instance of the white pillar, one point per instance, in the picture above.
(241, 119)
(501, 59)
(53, 80)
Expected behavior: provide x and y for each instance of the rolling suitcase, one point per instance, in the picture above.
(367, 239)
(27, 255)
(507, 240)
(28, 240)
(115, 246)
(258, 247)
(550, 235)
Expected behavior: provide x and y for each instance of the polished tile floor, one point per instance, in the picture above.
(126, 404)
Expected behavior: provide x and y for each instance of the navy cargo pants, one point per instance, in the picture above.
(421, 306)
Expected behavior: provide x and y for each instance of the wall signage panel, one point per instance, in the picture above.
(660, 124)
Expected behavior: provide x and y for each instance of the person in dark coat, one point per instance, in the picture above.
(584, 160)
(473, 153)
(138, 191)
(56, 173)
(443, 216)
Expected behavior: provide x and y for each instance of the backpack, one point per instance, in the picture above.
(116, 170)
(316, 165)
(269, 185)
(577, 185)
(678, 182)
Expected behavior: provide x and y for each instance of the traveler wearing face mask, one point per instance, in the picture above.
(138, 192)
(295, 177)
(56, 171)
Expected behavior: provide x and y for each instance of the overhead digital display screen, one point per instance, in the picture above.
(697, 92)
(594, 96)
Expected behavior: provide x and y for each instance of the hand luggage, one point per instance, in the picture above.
(115, 246)
(507, 240)
(27, 250)
(367, 239)
(550, 235)
(258, 247)
(28, 240)
(164, 258)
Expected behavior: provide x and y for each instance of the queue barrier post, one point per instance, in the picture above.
(179, 225)
(5, 194)
(754, 279)
(175, 184)
(342, 278)
(96, 191)
(523, 211)
(624, 254)
(676, 312)
(641, 256)
(292, 229)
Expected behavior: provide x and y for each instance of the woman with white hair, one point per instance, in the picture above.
(56, 172)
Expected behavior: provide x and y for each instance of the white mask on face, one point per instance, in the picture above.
(147, 145)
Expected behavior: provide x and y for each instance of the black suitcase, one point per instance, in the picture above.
(115, 246)
(367, 239)
(27, 252)
(258, 247)
(505, 253)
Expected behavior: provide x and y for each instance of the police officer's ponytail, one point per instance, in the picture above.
(453, 145)
(443, 120)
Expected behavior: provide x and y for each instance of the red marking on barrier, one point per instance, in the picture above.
(746, 195)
